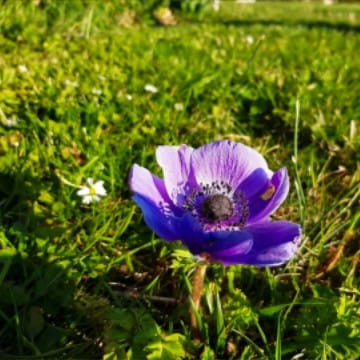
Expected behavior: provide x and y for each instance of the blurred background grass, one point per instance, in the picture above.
(92, 281)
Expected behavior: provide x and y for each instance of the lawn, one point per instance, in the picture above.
(92, 281)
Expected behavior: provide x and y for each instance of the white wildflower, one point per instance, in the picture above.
(151, 88)
(128, 97)
(10, 122)
(96, 92)
(179, 107)
(71, 83)
(93, 191)
(23, 68)
(249, 39)
(216, 5)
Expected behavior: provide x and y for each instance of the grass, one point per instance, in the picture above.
(85, 282)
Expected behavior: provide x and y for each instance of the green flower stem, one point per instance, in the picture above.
(198, 284)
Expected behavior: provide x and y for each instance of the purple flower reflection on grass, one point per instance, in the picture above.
(217, 200)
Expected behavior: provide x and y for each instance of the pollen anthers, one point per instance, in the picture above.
(218, 207)
(92, 190)
(196, 196)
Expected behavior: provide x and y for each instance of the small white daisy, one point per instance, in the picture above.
(129, 97)
(179, 107)
(96, 92)
(249, 39)
(216, 5)
(10, 122)
(151, 88)
(92, 191)
(71, 83)
(23, 68)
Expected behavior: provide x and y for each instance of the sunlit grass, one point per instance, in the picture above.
(87, 281)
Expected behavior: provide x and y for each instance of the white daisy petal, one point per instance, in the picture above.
(87, 199)
(83, 191)
(99, 188)
(95, 198)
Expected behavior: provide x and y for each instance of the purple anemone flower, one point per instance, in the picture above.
(217, 200)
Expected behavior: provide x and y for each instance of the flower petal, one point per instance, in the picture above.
(83, 191)
(228, 244)
(155, 218)
(256, 183)
(273, 244)
(87, 199)
(144, 183)
(99, 188)
(268, 233)
(191, 234)
(175, 162)
(225, 161)
(261, 207)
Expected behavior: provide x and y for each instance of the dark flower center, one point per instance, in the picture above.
(217, 207)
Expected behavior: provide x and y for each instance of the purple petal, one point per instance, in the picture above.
(227, 161)
(262, 205)
(267, 234)
(144, 183)
(274, 256)
(156, 219)
(256, 183)
(228, 244)
(273, 244)
(151, 196)
(175, 162)
(191, 234)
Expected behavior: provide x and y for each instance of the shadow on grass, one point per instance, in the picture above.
(51, 307)
(39, 311)
(40, 314)
(340, 26)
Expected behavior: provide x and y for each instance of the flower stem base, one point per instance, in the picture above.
(198, 284)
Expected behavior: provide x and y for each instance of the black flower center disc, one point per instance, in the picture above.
(217, 207)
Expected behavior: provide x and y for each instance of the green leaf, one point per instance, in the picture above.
(220, 324)
(278, 338)
(169, 347)
(274, 309)
(207, 354)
